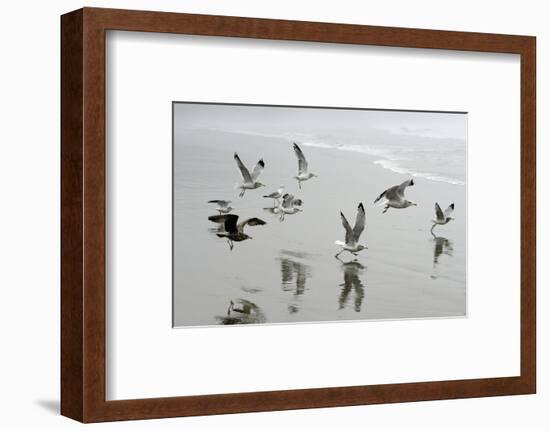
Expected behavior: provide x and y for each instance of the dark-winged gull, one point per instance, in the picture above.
(234, 231)
(442, 217)
(303, 173)
(395, 196)
(289, 205)
(276, 195)
(249, 180)
(223, 206)
(351, 244)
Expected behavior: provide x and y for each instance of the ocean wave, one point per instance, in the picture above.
(392, 166)
(387, 158)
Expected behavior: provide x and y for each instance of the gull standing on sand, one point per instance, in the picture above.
(289, 205)
(276, 195)
(249, 181)
(303, 174)
(395, 196)
(223, 206)
(442, 217)
(352, 235)
(234, 231)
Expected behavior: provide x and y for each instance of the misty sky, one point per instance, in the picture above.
(276, 119)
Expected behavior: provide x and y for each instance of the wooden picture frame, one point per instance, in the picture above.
(83, 214)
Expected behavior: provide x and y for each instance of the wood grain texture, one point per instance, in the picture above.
(83, 214)
(72, 304)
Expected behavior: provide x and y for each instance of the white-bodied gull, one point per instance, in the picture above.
(289, 205)
(351, 244)
(442, 217)
(395, 196)
(303, 173)
(223, 206)
(249, 180)
(233, 231)
(276, 195)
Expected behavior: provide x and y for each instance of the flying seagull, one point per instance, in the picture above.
(395, 196)
(223, 206)
(303, 174)
(289, 205)
(276, 195)
(442, 217)
(352, 235)
(249, 181)
(234, 231)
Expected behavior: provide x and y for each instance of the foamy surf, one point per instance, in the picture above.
(388, 156)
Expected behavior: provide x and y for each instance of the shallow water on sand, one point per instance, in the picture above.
(288, 272)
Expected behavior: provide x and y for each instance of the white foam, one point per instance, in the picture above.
(387, 159)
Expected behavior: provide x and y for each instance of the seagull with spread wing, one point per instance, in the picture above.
(223, 206)
(276, 195)
(351, 244)
(289, 205)
(303, 173)
(249, 180)
(442, 217)
(233, 231)
(395, 196)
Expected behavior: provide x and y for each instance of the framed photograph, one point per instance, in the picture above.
(242, 198)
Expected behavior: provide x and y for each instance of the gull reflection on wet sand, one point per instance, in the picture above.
(352, 282)
(241, 312)
(294, 275)
(441, 246)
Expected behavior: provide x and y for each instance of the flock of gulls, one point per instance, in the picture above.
(286, 204)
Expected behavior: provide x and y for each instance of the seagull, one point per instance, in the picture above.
(223, 206)
(352, 235)
(234, 231)
(442, 217)
(289, 205)
(249, 181)
(276, 195)
(303, 174)
(395, 196)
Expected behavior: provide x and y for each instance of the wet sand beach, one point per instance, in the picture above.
(288, 271)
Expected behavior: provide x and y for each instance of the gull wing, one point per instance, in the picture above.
(302, 162)
(449, 210)
(244, 172)
(254, 221)
(382, 194)
(219, 202)
(438, 213)
(359, 222)
(402, 186)
(288, 199)
(347, 227)
(396, 193)
(229, 221)
(258, 169)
